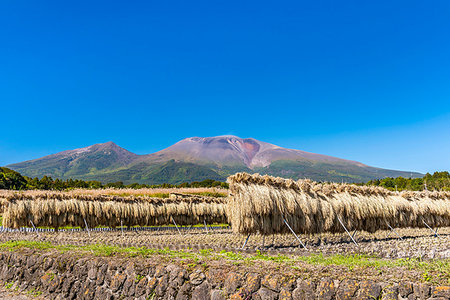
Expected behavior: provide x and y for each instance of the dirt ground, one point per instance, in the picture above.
(6, 294)
(412, 243)
(418, 244)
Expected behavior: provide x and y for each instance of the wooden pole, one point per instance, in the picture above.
(176, 225)
(87, 228)
(37, 233)
(347, 231)
(433, 231)
(392, 229)
(245, 243)
(206, 227)
(298, 239)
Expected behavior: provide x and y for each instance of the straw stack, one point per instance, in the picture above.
(110, 211)
(260, 204)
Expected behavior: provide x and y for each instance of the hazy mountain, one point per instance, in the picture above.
(196, 159)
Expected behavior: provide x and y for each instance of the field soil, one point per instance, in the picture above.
(6, 294)
(409, 243)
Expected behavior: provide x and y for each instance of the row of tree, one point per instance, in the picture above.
(12, 180)
(438, 181)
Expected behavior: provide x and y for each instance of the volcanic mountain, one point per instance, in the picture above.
(232, 150)
(196, 159)
(77, 163)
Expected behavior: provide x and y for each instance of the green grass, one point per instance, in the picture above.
(9, 285)
(34, 292)
(138, 278)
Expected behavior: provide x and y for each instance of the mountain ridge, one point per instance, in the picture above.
(196, 158)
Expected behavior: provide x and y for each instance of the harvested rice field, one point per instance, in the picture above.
(256, 213)
(238, 243)
(414, 243)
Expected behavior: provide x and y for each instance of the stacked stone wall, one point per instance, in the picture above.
(67, 276)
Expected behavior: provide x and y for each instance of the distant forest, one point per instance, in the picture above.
(438, 181)
(12, 180)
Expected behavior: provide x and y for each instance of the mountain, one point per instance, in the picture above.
(196, 159)
(232, 150)
(77, 163)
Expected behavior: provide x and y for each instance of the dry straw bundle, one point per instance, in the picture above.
(95, 193)
(111, 211)
(259, 204)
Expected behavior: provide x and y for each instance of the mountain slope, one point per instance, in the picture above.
(196, 159)
(77, 163)
(232, 150)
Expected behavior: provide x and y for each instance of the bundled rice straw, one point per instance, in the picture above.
(258, 204)
(111, 210)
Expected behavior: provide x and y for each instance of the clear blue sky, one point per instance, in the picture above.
(362, 80)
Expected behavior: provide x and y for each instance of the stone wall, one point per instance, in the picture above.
(68, 276)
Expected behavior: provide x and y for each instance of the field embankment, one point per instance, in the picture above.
(101, 272)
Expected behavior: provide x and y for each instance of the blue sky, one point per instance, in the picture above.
(367, 81)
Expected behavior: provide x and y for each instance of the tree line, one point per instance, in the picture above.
(12, 180)
(438, 181)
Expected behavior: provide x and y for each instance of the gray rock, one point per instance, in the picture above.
(289, 284)
(253, 282)
(233, 281)
(390, 293)
(405, 288)
(369, 290)
(162, 285)
(272, 282)
(31, 262)
(67, 285)
(75, 290)
(441, 291)
(202, 292)
(267, 294)
(326, 289)
(101, 273)
(117, 281)
(185, 292)
(421, 291)
(305, 290)
(92, 273)
(129, 285)
(180, 276)
(88, 290)
(347, 289)
(285, 294)
(196, 277)
(140, 287)
(217, 295)
(160, 271)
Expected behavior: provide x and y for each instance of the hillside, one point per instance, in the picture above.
(196, 159)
